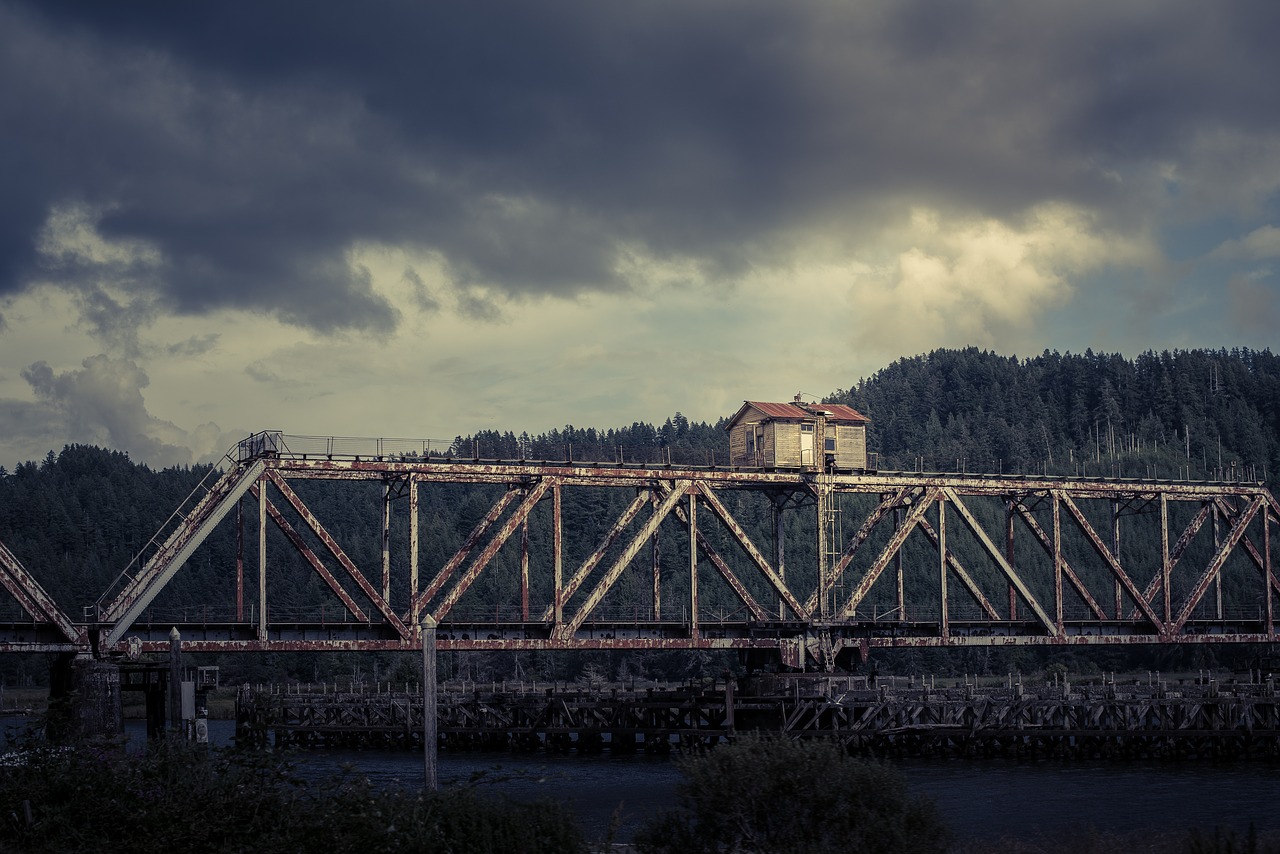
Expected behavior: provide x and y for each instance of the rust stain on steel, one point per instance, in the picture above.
(166, 561)
(961, 573)
(999, 560)
(1179, 547)
(678, 491)
(914, 515)
(499, 539)
(298, 543)
(1067, 570)
(724, 569)
(336, 550)
(752, 552)
(1229, 512)
(482, 527)
(1111, 560)
(893, 501)
(666, 643)
(628, 515)
(33, 598)
(893, 491)
(1215, 565)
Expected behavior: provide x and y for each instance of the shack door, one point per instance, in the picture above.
(806, 444)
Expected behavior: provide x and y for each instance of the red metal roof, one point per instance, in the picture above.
(836, 412)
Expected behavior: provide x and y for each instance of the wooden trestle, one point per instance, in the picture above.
(1145, 719)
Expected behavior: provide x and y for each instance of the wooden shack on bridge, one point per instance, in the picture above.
(798, 435)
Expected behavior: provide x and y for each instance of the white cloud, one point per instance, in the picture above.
(1261, 243)
(102, 403)
(956, 281)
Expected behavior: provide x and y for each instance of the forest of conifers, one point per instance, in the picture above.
(77, 517)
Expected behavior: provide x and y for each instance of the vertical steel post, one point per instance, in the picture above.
(414, 546)
(524, 570)
(693, 565)
(1115, 551)
(1268, 571)
(655, 556)
(780, 550)
(898, 569)
(1008, 556)
(1165, 568)
(240, 561)
(386, 541)
(820, 542)
(557, 555)
(1217, 578)
(1057, 563)
(262, 561)
(944, 618)
(429, 739)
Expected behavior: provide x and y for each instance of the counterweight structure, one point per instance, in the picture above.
(816, 567)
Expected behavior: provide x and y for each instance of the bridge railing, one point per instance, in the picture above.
(294, 446)
(92, 613)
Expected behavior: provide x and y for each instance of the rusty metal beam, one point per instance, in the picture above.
(591, 560)
(1184, 540)
(723, 568)
(895, 494)
(381, 604)
(892, 501)
(1046, 542)
(33, 598)
(960, 571)
(1113, 563)
(503, 533)
(464, 551)
(140, 590)
(677, 491)
(1256, 556)
(1228, 545)
(311, 557)
(761, 562)
(913, 516)
(1000, 562)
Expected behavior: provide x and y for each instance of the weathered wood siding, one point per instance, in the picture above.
(786, 450)
(738, 446)
(851, 446)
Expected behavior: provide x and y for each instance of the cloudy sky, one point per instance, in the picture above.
(415, 219)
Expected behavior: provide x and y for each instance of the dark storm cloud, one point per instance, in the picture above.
(532, 146)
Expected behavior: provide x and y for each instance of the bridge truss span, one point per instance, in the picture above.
(817, 567)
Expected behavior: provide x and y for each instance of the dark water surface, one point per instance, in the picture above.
(978, 799)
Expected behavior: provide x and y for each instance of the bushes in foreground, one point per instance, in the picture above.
(752, 797)
(179, 798)
(780, 796)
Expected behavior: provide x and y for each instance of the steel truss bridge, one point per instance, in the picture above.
(815, 567)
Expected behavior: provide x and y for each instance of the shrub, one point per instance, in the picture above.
(779, 796)
(181, 798)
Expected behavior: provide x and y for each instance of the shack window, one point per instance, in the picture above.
(751, 440)
(806, 428)
(831, 443)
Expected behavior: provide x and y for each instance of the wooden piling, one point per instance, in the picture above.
(429, 743)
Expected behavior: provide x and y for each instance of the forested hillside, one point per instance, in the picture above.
(77, 517)
(1200, 414)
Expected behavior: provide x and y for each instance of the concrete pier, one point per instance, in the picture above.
(96, 713)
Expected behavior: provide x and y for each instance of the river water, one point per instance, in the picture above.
(978, 799)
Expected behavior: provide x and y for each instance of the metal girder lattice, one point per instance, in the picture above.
(46, 628)
(1079, 561)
